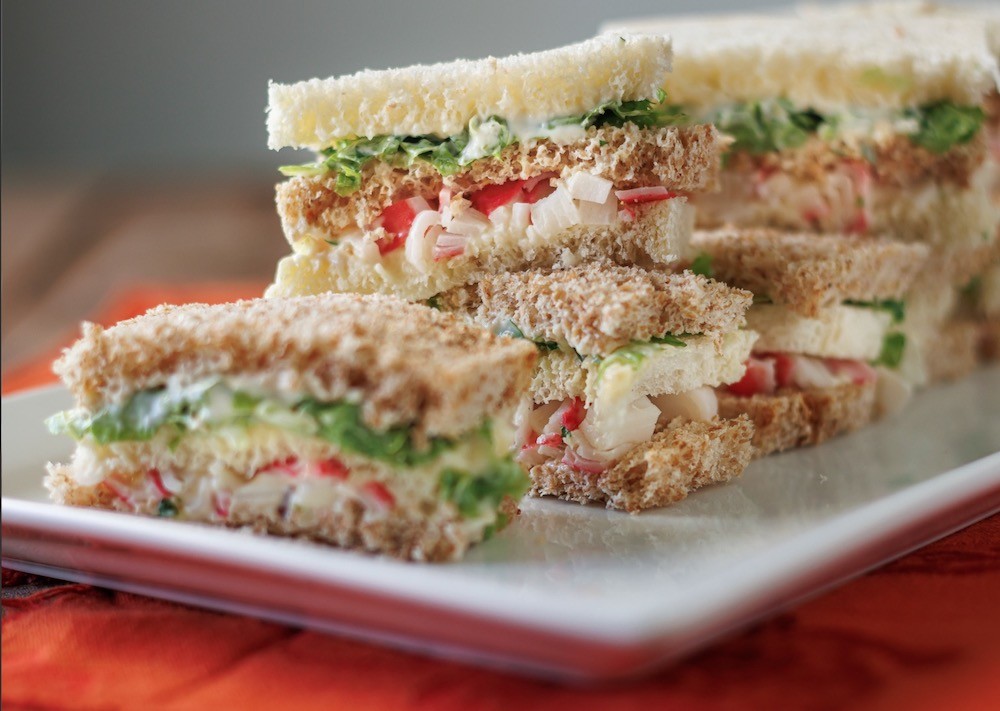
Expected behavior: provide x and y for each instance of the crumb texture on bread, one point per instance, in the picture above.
(596, 309)
(441, 99)
(808, 272)
(798, 418)
(878, 63)
(680, 458)
(657, 236)
(684, 159)
(436, 373)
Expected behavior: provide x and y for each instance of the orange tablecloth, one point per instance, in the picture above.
(920, 633)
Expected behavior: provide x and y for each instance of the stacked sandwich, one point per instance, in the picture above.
(431, 177)
(843, 124)
(830, 322)
(979, 302)
(532, 193)
(296, 416)
(622, 408)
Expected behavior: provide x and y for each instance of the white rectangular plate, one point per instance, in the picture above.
(567, 590)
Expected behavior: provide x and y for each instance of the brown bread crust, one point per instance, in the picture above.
(406, 364)
(809, 272)
(799, 418)
(680, 458)
(596, 309)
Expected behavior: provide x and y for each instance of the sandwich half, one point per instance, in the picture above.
(622, 407)
(430, 177)
(831, 322)
(840, 123)
(298, 417)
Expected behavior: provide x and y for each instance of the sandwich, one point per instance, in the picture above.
(831, 320)
(622, 408)
(978, 310)
(880, 129)
(298, 417)
(431, 177)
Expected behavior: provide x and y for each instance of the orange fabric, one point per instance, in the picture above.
(920, 633)
(126, 304)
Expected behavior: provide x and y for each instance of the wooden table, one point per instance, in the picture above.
(69, 242)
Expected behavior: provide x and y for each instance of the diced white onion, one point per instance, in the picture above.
(584, 186)
(449, 245)
(470, 222)
(613, 429)
(892, 392)
(811, 373)
(422, 237)
(555, 213)
(699, 404)
(592, 213)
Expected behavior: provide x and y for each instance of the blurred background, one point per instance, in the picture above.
(133, 135)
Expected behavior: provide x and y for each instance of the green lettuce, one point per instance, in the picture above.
(702, 265)
(944, 125)
(149, 412)
(893, 346)
(347, 157)
(473, 492)
(766, 126)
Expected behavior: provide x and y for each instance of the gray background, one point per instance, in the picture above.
(176, 87)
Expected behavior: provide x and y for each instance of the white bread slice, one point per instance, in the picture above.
(829, 64)
(982, 15)
(666, 369)
(441, 99)
(596, 309)
(657, 236)
(837, 332)
(811, 272)
(681, 457)
(799, 418)
(437, 373)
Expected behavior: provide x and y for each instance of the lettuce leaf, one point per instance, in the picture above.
(150, 411)
(347, 157)
(766, 126)
(471, 494)
(893, 346)
(944, 125)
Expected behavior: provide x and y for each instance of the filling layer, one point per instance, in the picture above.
(778, 125)
(210, 443)
(627, 396)
(482, 138)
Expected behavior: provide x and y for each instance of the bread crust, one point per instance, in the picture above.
(808, 272)
(596, 309)
(433, 534)
(441, 99)
(681, 159)
(797, 418)
(839, 61)
(681, 457)
(436, 373)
